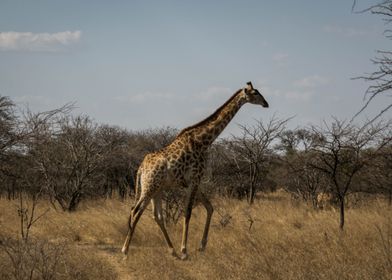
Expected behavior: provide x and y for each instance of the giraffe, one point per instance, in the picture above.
(181, 164)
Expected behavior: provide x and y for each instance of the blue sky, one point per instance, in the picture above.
(146, 64)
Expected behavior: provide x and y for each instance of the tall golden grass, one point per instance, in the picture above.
(276, 238)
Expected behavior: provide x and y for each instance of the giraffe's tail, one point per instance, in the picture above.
(137, 185)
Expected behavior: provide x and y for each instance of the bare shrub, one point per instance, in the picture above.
(386, 244)
(43, 260)
(80, 265)
(32, 260)
(24, 256)
(174, 206)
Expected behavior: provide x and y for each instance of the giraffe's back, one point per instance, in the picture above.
(173, 165)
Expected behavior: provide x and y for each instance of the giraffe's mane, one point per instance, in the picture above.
(213, 116)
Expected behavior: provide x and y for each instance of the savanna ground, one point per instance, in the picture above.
(276, 238)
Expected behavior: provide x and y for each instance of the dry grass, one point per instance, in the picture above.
(286, 240)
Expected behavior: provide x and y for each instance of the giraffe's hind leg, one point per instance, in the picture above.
(158, 217)
(188, 213)
(136, 213)
(207, 204)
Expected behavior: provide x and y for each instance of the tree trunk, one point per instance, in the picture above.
(390, 198)
(252, 186)
(314, 202)
(341, 200)
(251, 194)
(11, 191)
(61, 202)
(74, 202)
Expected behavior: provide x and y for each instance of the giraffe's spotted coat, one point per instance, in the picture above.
(181, 164)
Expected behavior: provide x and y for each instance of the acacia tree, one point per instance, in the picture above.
(378, 175)
(12, 134)
(8, 137)
(302, 180)
(340, 154)
(252, 152)
(8, 125)
(68, 160)
(114, 172)
(20, 129)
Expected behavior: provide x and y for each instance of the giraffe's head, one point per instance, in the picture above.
(253, 96)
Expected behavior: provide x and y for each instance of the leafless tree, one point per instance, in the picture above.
(220, 171)
(378, 176)
(21, 129)
(7, 139)
(68, 161)
(115, 171)
(380, 79)
(302, 180)
(8, 125)
(340, 153)
(252, 152)
(155, 139)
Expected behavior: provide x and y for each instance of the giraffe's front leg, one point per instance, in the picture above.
(188, 212)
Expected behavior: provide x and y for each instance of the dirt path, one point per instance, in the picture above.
(115, 259)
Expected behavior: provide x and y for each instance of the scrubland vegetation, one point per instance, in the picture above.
(275, 238)
(67, 189)
(313, 202)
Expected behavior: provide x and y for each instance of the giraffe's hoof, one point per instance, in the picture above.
(173, 253)
(202, 247)
(184, 256)
(124, 250)
(125, 256)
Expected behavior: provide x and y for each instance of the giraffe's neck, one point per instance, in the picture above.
(209, 129)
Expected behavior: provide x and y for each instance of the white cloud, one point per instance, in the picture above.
(38, 42)
(208, 100)
(306, 87)
(263, 86)
(280, 57)
(32, 99)
(215, 92)
(311, 81)
(264, 43)
(303, 93)
(301, 96)
(38, 103)
(144, 97)
(345, 31)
